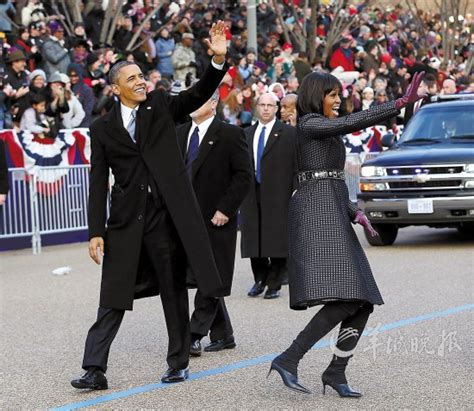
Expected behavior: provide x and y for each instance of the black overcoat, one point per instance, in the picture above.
(277, 169)
(221, 178)
(3, 169)
(125, 274)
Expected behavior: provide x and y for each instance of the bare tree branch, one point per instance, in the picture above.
(113, 26)
(106, 23)
(280, 19)
(139, 30)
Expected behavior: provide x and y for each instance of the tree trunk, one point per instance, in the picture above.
(311, 34)
(106, 24)
(139, 30)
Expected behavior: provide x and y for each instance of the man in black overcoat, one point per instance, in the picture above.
(264, 212)
(216, 157)
(154, 217)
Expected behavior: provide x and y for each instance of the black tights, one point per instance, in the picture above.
(353, 317)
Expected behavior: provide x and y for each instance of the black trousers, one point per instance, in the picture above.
(269, 270)
(162, 246)
(210, 316)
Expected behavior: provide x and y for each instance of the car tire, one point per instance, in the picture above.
(466, 230)
(387, 235)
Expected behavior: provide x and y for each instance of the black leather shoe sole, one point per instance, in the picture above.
(272, 296)
(215, 348)
(87, 386)
(195, 353)
(175, 378)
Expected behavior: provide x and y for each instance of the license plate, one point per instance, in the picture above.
(420, 206)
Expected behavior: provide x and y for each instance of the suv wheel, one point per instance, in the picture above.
(387, 235)
(466, 230)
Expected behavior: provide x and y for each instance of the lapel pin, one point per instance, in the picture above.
(211, 142)
(148, 108)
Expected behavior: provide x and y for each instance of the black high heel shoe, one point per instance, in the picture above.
(289, 379)
(342, 389)
(335, 377)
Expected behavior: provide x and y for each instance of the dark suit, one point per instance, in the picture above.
(264, 212)
(147, 233)
(410, 108)
(3, 169)
(221, 177)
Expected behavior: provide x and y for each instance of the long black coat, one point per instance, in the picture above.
(277, 170)
(124, 273)
(221, 177)
(3, 169)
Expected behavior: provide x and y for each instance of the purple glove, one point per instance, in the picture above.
(411, 95)
(362, 219)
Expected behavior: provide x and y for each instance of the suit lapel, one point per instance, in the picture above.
(273, 137)
(250, 138)
(115, 128)
(182, 133)
(207, 143)
(144, 120)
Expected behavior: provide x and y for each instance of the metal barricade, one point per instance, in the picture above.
(352, 169)
(51, 200)
(15, 215)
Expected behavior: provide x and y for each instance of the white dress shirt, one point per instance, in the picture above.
(127, 114)
(256, 137)
(203, 127)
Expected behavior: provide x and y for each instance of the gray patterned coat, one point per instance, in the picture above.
(326, 260)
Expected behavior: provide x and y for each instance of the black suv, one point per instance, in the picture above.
(427, 177)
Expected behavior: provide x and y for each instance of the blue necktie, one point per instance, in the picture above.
(260, 149)
(131, 125)
(193, 151)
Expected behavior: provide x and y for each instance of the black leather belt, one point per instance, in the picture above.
(322, 174)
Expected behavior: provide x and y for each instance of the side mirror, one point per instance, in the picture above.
(388, 140)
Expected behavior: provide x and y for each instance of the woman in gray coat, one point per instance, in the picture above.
(327, 265)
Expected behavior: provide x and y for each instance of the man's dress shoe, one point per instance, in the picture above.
(174, 375)
(257, 289)
(219, 345)
(271, 294)
(196, 348)
(93, 379)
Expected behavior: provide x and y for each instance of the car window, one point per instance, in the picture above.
(440, 124)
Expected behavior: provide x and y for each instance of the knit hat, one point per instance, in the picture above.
(56, 77)
(54, 26)
(36, 73)
(91, 59)
(176, 88)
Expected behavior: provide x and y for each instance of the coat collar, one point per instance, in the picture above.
(116, 129)
(273, 137)
(208, 142)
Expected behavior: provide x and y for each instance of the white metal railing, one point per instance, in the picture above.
(50, 200)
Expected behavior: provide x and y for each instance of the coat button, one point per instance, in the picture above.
(142, 187)
(140, 217)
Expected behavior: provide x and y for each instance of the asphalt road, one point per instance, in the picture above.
(419, 354)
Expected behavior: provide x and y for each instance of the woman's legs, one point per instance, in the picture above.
(324, 321)
(349, 334)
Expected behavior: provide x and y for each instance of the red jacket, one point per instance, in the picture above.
(339, 59)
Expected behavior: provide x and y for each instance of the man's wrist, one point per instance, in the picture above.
(219, 59)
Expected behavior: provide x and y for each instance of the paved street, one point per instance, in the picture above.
(420, 355)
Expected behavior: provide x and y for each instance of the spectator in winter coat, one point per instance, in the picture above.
(184, 58)
(75, 115)
(83, 92)
(55, 56)
(165, 47)
(343, 56)
(34, 118)
(7, 13)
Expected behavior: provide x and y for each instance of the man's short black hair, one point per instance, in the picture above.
(115, 70)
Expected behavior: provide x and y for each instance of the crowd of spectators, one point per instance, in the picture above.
(49, 80)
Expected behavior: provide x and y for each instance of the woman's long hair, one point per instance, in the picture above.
(314, 87)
